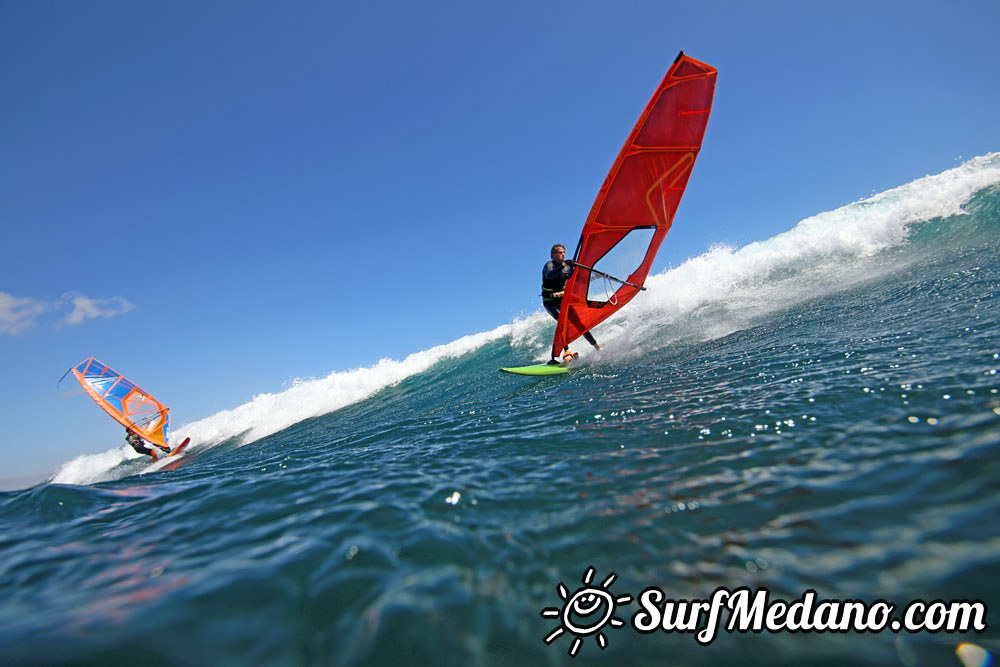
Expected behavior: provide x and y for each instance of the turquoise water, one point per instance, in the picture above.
(820, 410)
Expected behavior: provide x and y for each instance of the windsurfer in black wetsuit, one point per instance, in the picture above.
(139, 445)
(555, 273)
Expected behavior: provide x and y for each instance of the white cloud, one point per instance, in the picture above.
(85, 308)
(18, 314)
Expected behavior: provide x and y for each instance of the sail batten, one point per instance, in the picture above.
(641, 191)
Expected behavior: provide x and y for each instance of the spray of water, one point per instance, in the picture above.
(820, 254)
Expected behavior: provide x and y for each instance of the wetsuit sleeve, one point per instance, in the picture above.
(548, 272)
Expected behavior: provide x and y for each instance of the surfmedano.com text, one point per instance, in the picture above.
(756, 611)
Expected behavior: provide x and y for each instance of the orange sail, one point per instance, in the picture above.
(129, 405)
(636, 205)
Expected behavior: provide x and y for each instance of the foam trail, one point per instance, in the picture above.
(725, 288)
(269, 413)
(815, 257)
(93, 468)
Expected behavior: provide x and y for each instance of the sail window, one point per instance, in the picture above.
(621, 262)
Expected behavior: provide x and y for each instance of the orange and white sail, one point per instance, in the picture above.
(127, 404)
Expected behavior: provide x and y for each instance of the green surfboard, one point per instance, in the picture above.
(538, 369)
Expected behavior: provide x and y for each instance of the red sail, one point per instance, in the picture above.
(636, 205)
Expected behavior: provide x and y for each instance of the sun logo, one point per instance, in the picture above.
(586, 611)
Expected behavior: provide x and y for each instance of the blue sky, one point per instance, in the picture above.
(217, 197)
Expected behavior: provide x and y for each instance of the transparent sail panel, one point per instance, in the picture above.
(621, 261)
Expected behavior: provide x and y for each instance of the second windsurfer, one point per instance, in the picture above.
(139, 445)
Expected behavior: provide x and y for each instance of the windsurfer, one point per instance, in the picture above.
(555, 273)
(139, 445)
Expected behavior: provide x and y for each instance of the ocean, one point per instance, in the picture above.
(818, 411)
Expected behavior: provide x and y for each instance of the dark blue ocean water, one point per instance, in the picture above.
(820, 410)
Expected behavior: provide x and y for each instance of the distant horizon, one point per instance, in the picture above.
(22, 482)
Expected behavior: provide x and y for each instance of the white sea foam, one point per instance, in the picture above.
(741, 284)
(271, 412)
(93, 468)
(726, 288)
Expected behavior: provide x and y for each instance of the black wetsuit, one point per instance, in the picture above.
(554, 277)
(139, 445)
